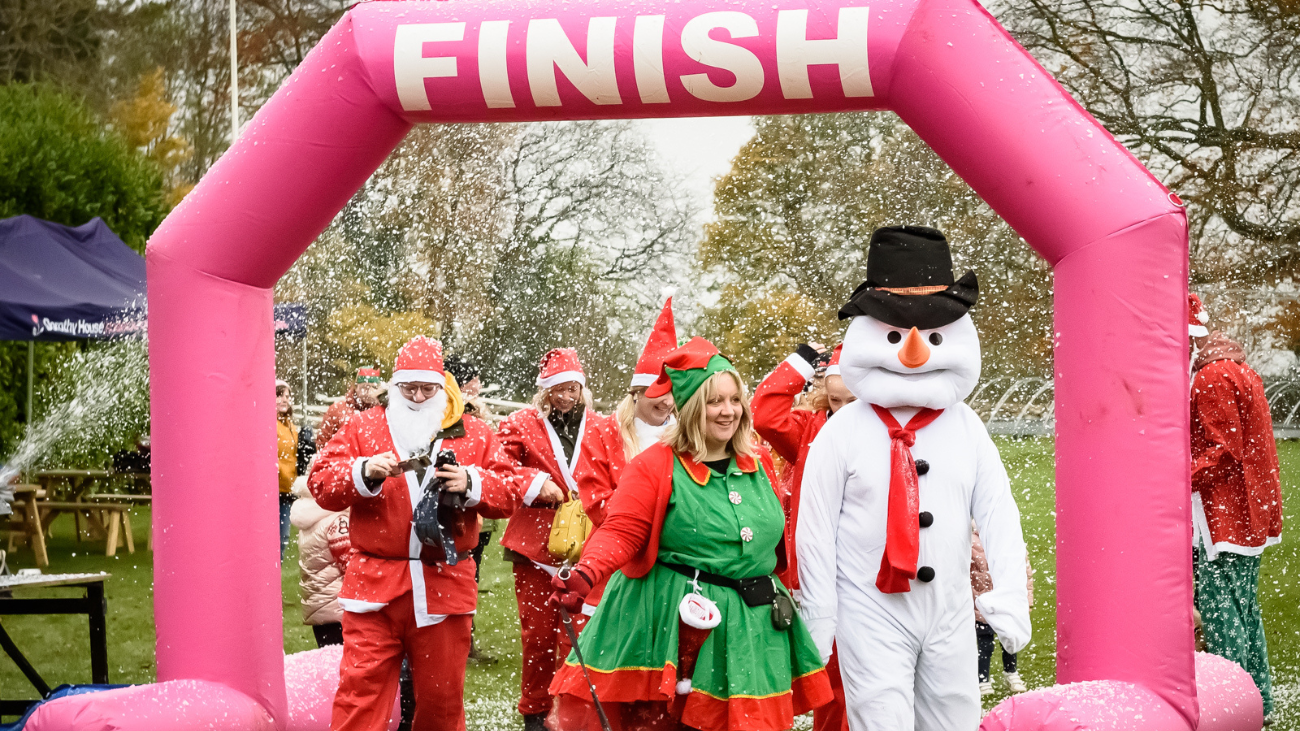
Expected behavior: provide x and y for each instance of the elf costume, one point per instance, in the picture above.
(891, 486)
(1236, 499)
(791, 431)
(397, 600)
(546, 447)
(670, 517)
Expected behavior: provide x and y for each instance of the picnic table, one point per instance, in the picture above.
(93, 605)
(106, 516)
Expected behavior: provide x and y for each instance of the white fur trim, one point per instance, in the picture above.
(359, 478)
(557, 451)
(356, 606)
(1197, 331)
(418, 377)
(799, 364)
(535, 488)
(562, 377)
(1201, 534)
(589, 609)
(833, 370)
(474, 492)
(644, 379)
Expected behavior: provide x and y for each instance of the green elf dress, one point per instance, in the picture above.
(669, 516)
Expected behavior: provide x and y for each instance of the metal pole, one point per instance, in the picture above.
(234, 78)
(303, 406)
(31, 369)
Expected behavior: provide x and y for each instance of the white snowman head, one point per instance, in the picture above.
(911, 341)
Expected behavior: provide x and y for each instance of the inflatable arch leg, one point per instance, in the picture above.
(1115, 236)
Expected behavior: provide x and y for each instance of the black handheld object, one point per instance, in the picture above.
(437, 514)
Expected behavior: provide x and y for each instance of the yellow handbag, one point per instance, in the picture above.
(569, 530)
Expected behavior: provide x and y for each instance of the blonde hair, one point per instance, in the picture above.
(687, 435)
(542, 399)
(626, 416)
(817, 399)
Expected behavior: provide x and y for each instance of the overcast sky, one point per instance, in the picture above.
(699, 149)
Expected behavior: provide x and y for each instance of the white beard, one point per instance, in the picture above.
(413, 426)
(648, 436)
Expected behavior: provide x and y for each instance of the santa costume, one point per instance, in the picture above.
(397, 600)
(546, 447)
(342, 410)
(606, 459)
(676, 527)
(1236, 498)
(790, 431)
(888, 494)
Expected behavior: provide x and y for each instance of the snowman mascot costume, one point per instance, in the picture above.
(888, 494)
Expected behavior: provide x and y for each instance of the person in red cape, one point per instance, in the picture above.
(361, 395)
(548, 444)
(638, 422)
(1236, 497)
(790, 428)
(399, 599)
(695, 631)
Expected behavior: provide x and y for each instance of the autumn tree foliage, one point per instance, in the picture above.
(794, 216)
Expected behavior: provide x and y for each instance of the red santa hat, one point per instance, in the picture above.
(662, 341)
(419, 361)
(1196, 317)
(834, 368)
(560, 365)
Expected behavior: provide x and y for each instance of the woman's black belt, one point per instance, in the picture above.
(755, 591)
(459, 557)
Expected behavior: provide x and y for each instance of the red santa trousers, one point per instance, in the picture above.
(374, 644)
(539, 624)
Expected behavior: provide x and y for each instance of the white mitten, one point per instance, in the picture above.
(1007, 612)
(823, 635)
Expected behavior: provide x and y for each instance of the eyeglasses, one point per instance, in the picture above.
(429, 390)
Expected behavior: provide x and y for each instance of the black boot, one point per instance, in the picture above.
(535, 722)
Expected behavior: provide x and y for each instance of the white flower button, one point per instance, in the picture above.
(734, 497)
(746, 534)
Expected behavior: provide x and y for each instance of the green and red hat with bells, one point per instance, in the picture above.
(687, 368)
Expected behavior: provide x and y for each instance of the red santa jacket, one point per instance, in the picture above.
(629, 537)
(530, 442)
(791, 432)
(1237, 497)
(385, 561)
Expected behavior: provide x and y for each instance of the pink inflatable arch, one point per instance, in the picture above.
(1116, 237)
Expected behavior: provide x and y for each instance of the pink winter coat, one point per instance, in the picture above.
(323, 548)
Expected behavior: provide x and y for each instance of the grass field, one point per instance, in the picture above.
(57, 646)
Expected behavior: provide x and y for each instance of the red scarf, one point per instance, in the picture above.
(902, 527)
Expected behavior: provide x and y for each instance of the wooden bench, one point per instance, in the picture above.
(119, 508)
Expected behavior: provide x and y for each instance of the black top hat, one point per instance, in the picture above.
(909, 281)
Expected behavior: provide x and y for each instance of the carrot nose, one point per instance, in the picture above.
(914, 352)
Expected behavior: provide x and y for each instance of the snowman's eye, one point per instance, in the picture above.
(894, 337)
(935, 338)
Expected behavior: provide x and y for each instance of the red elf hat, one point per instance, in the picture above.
(368, 374)
(834, 368)
(686, 369)
(419, 361)
(560, 365)
(662, 341)
(1196, 317)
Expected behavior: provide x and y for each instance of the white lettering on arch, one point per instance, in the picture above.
(848, 50)
(493, 76)
(411, 67)
(648, 59)
(722, 55)
(548, 49)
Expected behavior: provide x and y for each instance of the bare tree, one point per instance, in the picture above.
(1207, 93)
